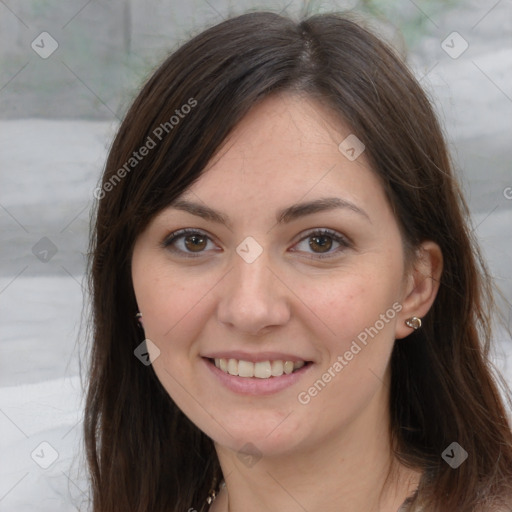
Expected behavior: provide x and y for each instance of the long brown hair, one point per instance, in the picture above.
(143, 454)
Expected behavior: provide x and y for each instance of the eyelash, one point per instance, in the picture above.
(173, 237)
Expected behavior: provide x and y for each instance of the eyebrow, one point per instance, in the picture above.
(286, 215)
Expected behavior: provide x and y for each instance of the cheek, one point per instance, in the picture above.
(173, 307)
(364, 322)
(356, 304)
(361, 311)
(170, 301)
(356, 359)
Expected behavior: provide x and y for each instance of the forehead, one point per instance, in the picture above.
(287, 148)
(286, 124)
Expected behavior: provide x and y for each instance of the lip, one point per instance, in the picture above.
(255, 358)
(253, 385)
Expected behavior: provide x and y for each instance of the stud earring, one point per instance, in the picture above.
(138, 316)
(414, 322)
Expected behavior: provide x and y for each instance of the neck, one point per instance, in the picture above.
(346, 471)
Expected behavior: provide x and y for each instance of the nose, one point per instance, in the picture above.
(253, 298)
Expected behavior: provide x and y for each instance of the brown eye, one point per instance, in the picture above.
(323, 243)
(195, 243)
(320, 243)
(187, 242)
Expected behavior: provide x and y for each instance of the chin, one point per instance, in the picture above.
(260, 435)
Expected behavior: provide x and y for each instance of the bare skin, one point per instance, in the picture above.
(331, 450)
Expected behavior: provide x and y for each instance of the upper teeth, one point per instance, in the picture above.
(261, 369)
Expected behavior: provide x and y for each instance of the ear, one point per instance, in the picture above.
(421, 285)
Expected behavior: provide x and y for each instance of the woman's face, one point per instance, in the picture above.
(293, 261)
